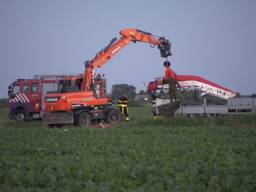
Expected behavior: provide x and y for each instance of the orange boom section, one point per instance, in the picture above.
(128, 35)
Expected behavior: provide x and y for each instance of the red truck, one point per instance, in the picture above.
(26, 96)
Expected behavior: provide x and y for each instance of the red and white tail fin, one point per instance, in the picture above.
(206, 86)
(196, 82)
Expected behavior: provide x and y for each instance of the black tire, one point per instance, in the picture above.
(114, 116)
(83, 119)
(20, 115)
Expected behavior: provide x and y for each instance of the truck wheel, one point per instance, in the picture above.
(114, 116)
(20, 115)
(83, 119)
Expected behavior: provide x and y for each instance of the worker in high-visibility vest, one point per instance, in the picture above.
(155, 110)
(123, 106)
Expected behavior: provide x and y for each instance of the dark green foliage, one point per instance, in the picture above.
(3, 103)
(181, 154)
(119, 90)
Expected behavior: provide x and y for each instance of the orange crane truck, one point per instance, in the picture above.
(83, 102)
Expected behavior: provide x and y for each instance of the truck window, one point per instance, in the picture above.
(34, 88)
(16, 89)
(66, 86)
(26, 89)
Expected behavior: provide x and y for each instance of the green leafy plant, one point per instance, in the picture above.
(179, 154)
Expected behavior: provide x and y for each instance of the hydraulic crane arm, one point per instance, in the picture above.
(127, 36)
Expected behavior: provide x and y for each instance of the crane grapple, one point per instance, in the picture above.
(164, 47)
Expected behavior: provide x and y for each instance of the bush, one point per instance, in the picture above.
(3, 103)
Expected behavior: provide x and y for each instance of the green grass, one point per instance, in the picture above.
(181, 154)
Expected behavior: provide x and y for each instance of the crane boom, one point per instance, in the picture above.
(127, 36)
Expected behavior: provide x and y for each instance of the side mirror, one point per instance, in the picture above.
(10, 94)
(9, 90)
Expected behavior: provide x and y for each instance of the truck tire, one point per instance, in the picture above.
(114, 116)
(83, 119)
(20, 115)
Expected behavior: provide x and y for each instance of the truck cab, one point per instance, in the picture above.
(24, 99)
(27, 96)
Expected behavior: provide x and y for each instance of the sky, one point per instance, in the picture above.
(214, 39)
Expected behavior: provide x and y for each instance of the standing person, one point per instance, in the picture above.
(170, 78)
(156, 114)
(123, 106)
(96, 86)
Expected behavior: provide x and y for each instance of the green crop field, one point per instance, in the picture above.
(180, 154)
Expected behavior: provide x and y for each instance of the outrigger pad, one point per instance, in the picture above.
(168, 110)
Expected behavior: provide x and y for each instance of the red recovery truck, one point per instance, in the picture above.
(26, 96)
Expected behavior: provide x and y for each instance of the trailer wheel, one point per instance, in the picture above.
(114, 117)
(20, 115)
(83, 119)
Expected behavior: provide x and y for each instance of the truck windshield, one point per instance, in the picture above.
(65, 86)
(69, 85)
